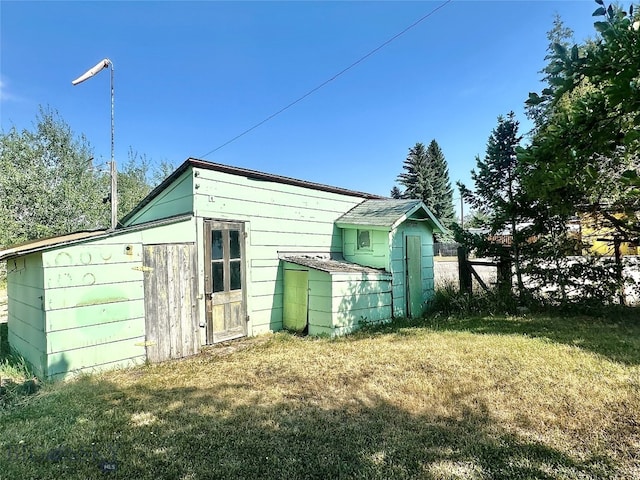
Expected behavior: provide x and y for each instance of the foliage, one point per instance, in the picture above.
(449, 300)
(47, 184)
(585, 154)
(17, 382)
(50, 186)
(426, 177)
(560, 36)
(477, 219)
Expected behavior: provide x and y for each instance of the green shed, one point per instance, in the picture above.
(217, 252)
(325, 296)
(397, 236)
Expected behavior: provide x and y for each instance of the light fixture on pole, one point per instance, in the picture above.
(106, 63)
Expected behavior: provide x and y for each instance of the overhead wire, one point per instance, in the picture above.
(326, 82)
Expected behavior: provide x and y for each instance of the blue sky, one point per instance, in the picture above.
(189, 76)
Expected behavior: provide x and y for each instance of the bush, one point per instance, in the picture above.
(448, 300)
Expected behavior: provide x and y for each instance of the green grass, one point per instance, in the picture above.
(497, 397)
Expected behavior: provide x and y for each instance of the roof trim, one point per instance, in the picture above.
(243, 172)
(51, 243)
(438, 227)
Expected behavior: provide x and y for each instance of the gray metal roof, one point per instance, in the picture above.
(331, 265)
(380, 213)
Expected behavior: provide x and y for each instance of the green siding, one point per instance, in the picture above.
(377, 257)
(97, 357)
(341, 302)
(176, 199)
(295, 299)
(26, 317)
(279, 217)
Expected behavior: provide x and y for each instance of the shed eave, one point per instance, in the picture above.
(73, 238)
(367, 225)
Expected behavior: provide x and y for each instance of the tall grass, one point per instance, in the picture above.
(17, 381)
(448, 300)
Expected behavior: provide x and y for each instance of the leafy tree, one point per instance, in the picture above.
(559, 37)
(426, 177)
(497, 193)
(585, 157)
(47, 183)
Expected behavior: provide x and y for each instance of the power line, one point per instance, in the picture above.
(313, 90)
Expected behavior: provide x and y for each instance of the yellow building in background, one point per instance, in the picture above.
(599, 236)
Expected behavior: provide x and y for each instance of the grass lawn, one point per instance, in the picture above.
(532, 397)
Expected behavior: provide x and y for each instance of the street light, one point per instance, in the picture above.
(106, 63)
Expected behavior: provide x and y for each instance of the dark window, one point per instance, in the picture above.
(234, 240)
(236, 276)
(216, 245)
(364, 239)
(217, 269)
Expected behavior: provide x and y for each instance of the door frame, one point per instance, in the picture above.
(211, 224)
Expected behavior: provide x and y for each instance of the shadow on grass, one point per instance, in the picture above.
(231, 431)
(616, 336)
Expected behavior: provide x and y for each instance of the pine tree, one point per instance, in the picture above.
(441, 204)
(426, 177)
(416, 179)
(497, 184)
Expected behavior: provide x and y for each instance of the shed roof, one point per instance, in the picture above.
(243, 172)
(330, 265)
(388, 213)
(78, 237)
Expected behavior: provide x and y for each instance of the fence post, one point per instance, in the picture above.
(618, 256)
(504, 277)
(464, 271)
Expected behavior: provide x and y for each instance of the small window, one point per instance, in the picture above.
(364, 239)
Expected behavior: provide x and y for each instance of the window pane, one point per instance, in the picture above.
(216, 245)
(364, 240)
(234, 240)
(217, 271)
(236, 276)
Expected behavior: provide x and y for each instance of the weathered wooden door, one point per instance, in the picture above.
(414, 276)
(225, 280)
(170, 301)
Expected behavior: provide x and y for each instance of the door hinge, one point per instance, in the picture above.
(247, 318)
(145, 344)
(143, 269)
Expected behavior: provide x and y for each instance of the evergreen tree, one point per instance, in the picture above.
(426, 177)
(441, 204)
(417, 177)
(497, 184)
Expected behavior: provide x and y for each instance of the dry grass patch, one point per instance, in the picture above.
(430, 401)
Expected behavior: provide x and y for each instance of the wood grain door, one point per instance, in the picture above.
(414, 276)
(225, 280)
(170, 301)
